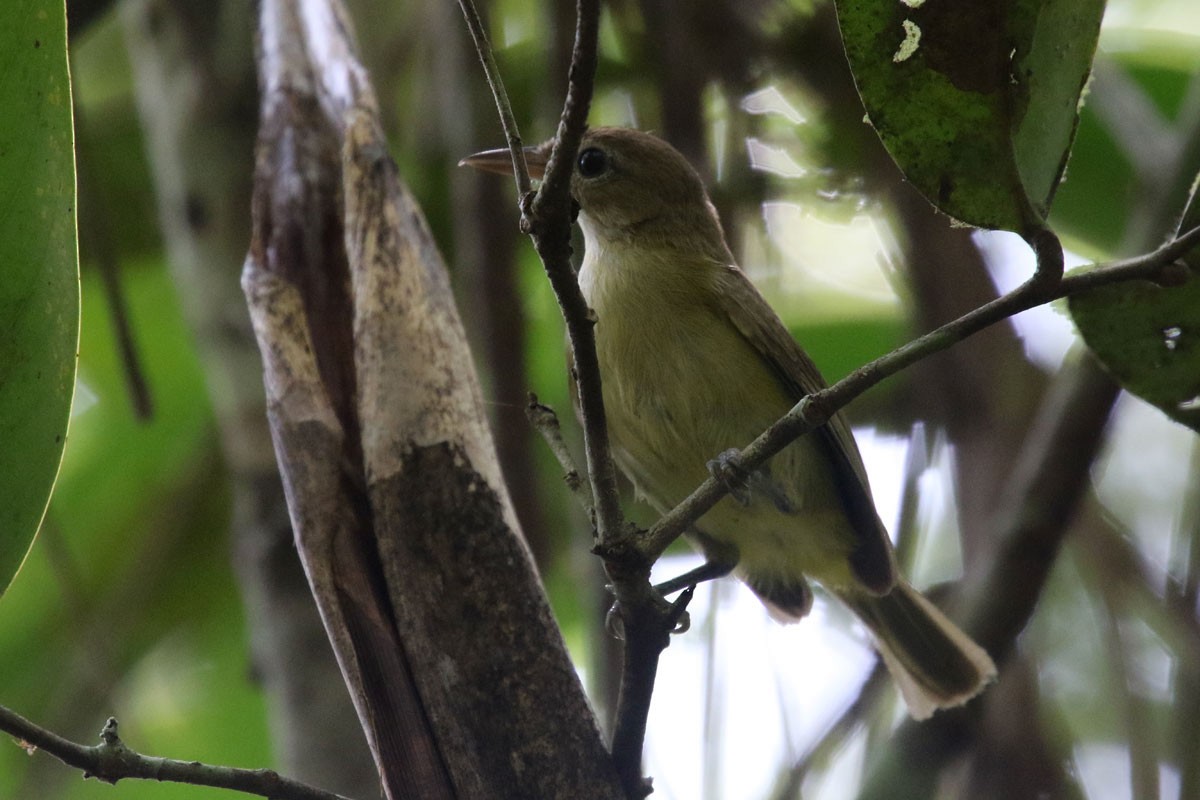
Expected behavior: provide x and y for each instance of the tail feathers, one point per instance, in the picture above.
(786, 601)
(935, 665)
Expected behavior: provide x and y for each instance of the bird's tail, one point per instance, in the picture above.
(935, 665)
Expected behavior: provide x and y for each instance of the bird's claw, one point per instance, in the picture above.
(614, 622)
(726, 468)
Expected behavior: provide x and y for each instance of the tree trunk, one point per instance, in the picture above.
(407, 534)
(193, 66)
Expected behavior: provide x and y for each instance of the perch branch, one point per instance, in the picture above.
(111, 761)
(815, 409)
(646, 618)
(549, 219)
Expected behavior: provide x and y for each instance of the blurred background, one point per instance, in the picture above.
(163, 588)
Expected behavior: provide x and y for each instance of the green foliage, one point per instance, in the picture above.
(1148, 336)
(976, 101)
(840, 346)
(127, 604)
(39, 295)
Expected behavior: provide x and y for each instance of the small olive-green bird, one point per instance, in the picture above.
(694, 363)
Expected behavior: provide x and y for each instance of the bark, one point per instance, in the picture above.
(194, 77)
(485, 271)
(407, 534)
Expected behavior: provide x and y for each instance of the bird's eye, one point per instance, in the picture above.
(592, 162)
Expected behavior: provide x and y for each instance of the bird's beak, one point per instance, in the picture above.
(500, 161)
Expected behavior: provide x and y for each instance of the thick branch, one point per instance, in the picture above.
(111, 761)
(647, 631)
(401, 516)
(815, 409)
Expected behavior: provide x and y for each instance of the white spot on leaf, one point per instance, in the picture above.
(912, 38)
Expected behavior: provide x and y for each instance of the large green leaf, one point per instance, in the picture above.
(1148, 336)
(976, 100)
(39, 287)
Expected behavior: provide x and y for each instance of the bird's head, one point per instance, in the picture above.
(627, 183)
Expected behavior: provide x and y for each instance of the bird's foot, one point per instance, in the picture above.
(741, 483)
(727, 469)
(673, 613)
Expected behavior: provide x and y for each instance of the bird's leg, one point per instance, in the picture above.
(707, 571)
(727, 469)
(615, 626)
(716, 566)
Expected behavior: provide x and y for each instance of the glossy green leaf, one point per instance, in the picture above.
(976, 101)
(1148, 336)
(39, 293)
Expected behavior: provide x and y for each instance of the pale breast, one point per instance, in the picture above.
(682, 385)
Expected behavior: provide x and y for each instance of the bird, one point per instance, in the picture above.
(694, 364)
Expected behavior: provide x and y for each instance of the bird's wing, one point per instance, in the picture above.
(871, 559)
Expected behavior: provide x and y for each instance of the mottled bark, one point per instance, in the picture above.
(194, 76)
(409, 540)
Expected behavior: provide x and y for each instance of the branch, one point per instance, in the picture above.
(815, 409)
(545, 421)
(550, 217)
(647, 620)
(111, 760)
(96, 239)
(492, 72)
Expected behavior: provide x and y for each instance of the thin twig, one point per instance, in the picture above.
(815, 409)
(1173, 619)
(836, 735)
(646, 618)
(549, 219)
(111, 761)
(509, 122)
(545, 421)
